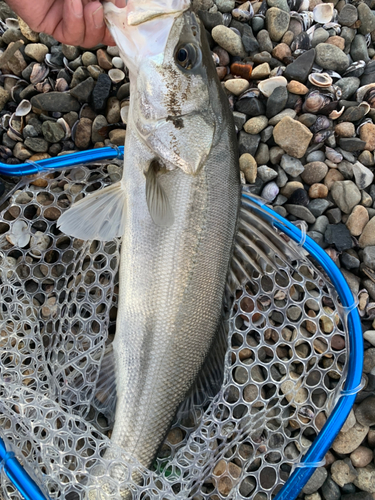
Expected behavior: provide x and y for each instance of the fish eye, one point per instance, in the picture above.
(187, 56)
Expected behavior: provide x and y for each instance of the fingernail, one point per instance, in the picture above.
(120, 4)
(98, 17)
(77, 8)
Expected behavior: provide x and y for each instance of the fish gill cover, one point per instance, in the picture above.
(284, 362)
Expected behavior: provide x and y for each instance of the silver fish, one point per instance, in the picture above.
(176, 208)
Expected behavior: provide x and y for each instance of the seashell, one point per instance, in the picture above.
(321, 123)
(333, 74)
(116, 75)
(250, 93)
(362, 92)
(61, 85)
(235, 30)
(322, 136)
(314, 102)
(47, 60)
(4, 123)
(301, 42)
(44, 87)
(23, 108)
(336, 114)
(13, 132)
(74, 129)
(370, 67)
(125, 112)
(356, 69)
(66, 65)
(227, 18)
(365, 105)
(337, 92)
(216, 59)
(263, 8)
(333, 26)
(369, 97)
(66, 128)
(39, 73)
(368, 39)
(16, 88)
(307, 19)
(333, 155)
(244, 12)
(12, 23)
(363, 122)
(323, 13)
(269, 85)
(320, 80)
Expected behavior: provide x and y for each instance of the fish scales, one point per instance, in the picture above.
(180, 198)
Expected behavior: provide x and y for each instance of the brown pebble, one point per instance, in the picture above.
(367, 134)
(281, 51)
(290, 187)
(221, 72)
(362, 456)
(288, 37)
(314, 172)
(318, 191)
(338, 41)
(345, 129)
(357, 220)
(298, 88)
(83, 133)
(242, 69)
(371, 438)
(104, 60)
(52, 213)
(117, 136)
(332, 177)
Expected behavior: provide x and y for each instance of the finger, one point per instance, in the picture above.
(95, 26)
(71, 28)
(108, 40)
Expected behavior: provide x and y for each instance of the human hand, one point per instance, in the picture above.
(73, 22)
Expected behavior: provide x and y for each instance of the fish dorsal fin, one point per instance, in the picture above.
(105, 391)
(157, 200)
(99, 216)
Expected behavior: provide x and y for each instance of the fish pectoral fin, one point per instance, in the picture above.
(99, 216)
(157, 200)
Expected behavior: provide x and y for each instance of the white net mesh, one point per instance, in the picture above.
(284, 363)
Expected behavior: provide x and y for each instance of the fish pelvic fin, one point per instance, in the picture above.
(157, 200)
(99, 216)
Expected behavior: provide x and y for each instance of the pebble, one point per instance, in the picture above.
(248, 166)
(365, 480)
(357, 220)
(237, 85)
(367, 237)
(338, 234)
(292, 166)
(55, 101)
(315, 481)
(314, 172)
(292, 136)
(346, 195)
(277, 22)
(101, 92)
(343, 472)
(228, 40)
(117, 137)
(255, 125)
(330, 490)
(347, 442)
(365, 412)
(36, 51)
(83, 133)
(330, 57)
(362, 456)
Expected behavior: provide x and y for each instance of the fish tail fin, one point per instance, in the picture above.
(99, 216)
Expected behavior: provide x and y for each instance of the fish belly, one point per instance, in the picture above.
(171, 288)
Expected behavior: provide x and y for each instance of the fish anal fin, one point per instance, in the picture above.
(98, 216)
(157, 200)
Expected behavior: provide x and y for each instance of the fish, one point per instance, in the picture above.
(176, 209)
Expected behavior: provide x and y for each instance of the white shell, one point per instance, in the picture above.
(336, 114)
(23, 108)
(116, 75)
(320, 80)
(268, 86)
(124, 112)
(323, 13)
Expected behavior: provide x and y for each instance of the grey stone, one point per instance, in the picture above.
(319, 206)
(349, 261)
(277, 22)
(301, 68)
(83, 90)
(248, 143)
(266, 173)
(239, 119)
(101, 92)
(250, 106)
(265, 42)
(351, 144)
(52, 131)
(210, 19)
(99, 122)
(262, 155)
(338, 235)
(317, 237)
(365, 412)
(348, 86)
(36, 144)
(369, 257)
(315, 481)
(334, 215)
(363, 175)
(331, 57)
(361, 495)
(55, 101)
(282, 178)
(348, 35)
(301, 212)
(348, 15)
(315, 156)
(358, 49)
(343, 472)
(292, 166)
(248, 39)
(346, 195)
(276, 101)
(320, 224)
(330, 490)
(367, 18)
(320, 36)
(229, 40)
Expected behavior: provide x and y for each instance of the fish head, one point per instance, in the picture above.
(168, 59)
